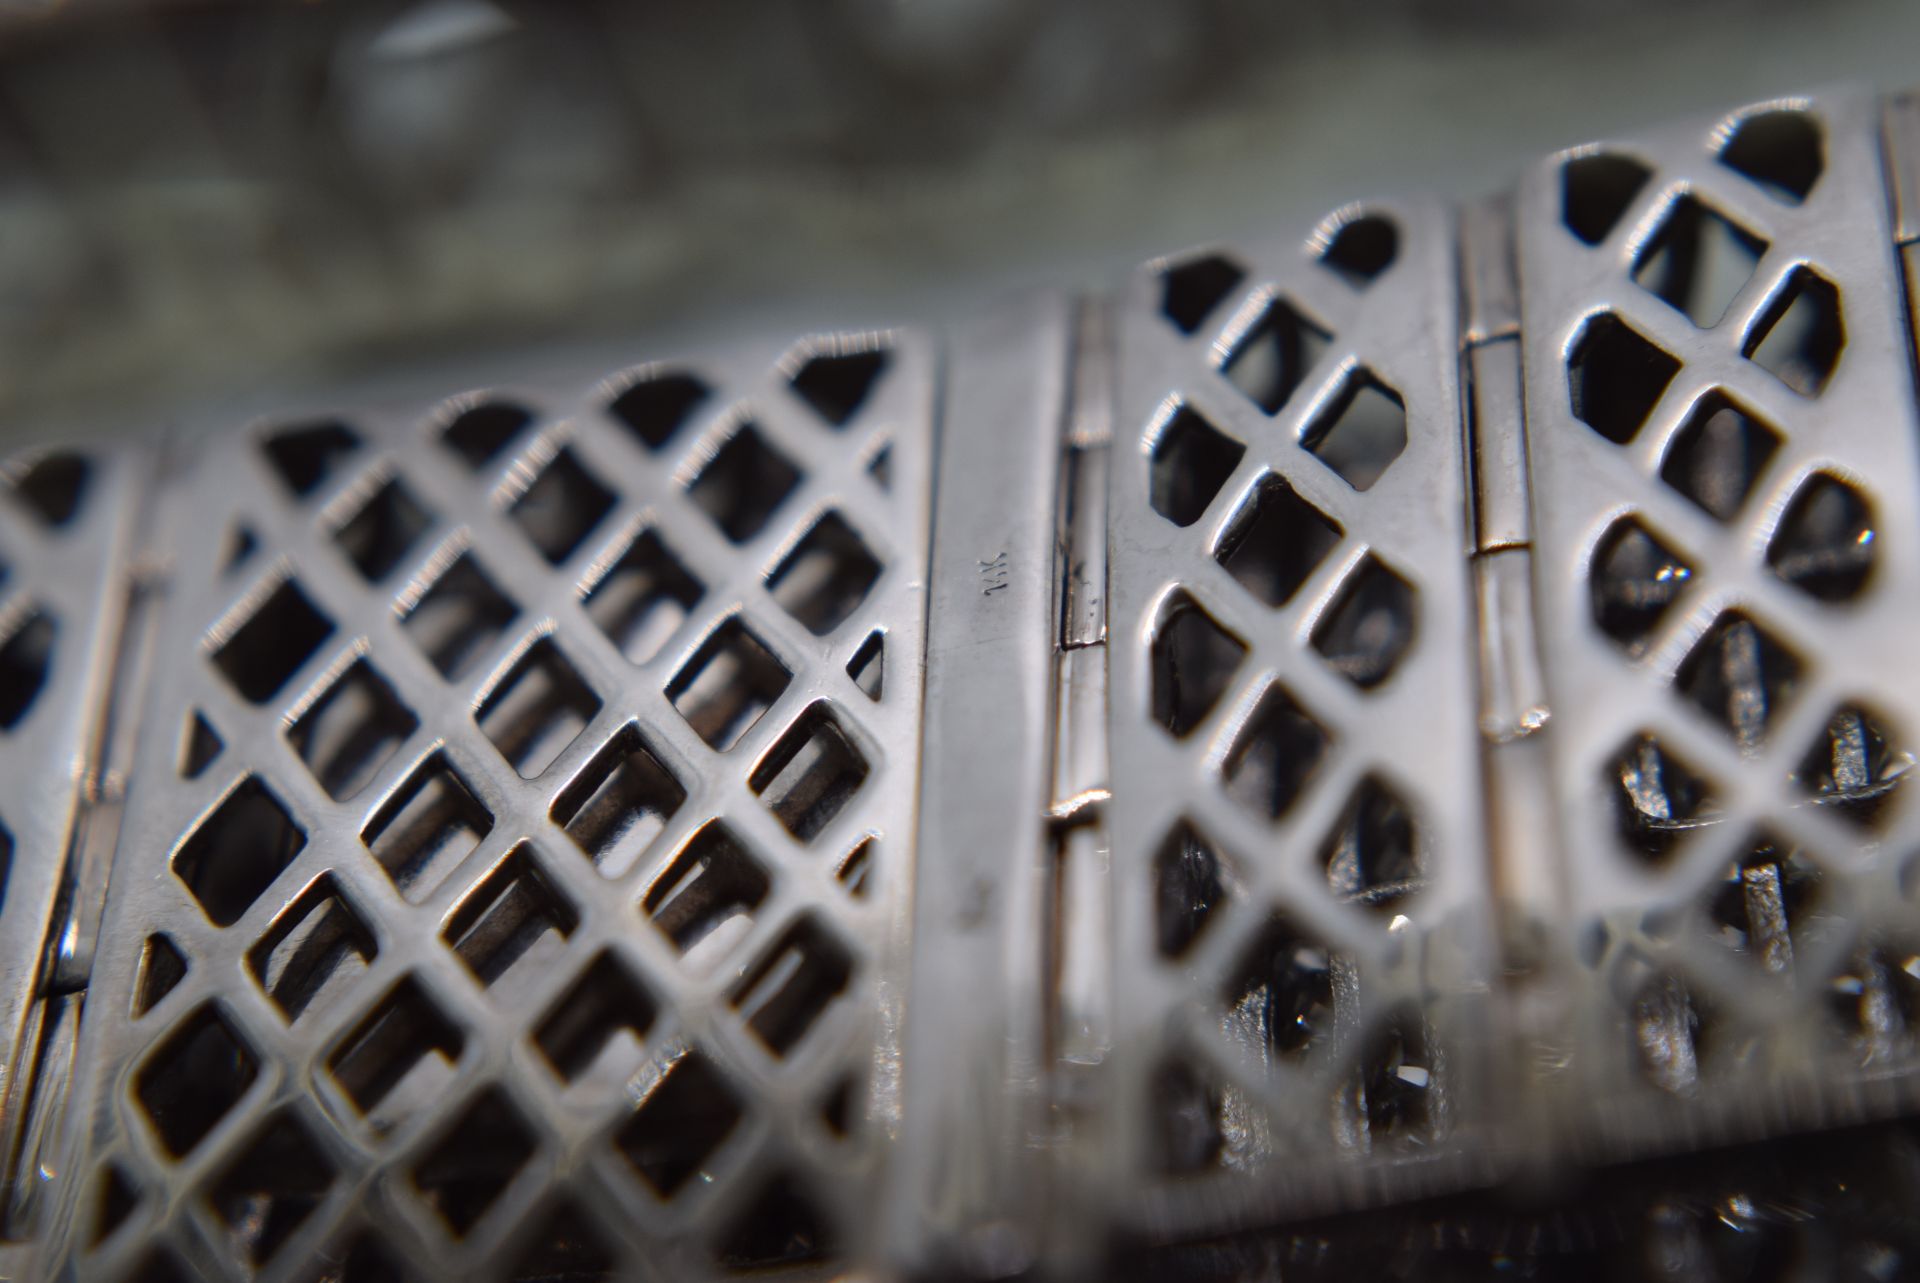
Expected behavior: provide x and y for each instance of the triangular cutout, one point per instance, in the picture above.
(780, 1227)
(837, 384)
(118, 1198)
(199, 746)
(239, 546)
(162, 966)
(868, 667)
(881, 469)
(53, 485)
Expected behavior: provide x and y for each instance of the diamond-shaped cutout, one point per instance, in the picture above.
(744, 483)
(1740, 677)
(398, 1062)
(308, 455)
(1360, 432)
(458, 619)
(1855, 766)
(780, 1228)
(1658, 799)
(1615, 377)
(237, 851)
(1374, 855)
(826, 577)
(1826, 545)
(270, 1190)
(1634, 581)
(810, 775)
(1718, 455)
(537, 710)
(1276, 541)
(465, 1174)
(728, 685)
(481, 433)
(1275, 755)
(704, 901)
(605, 1007)
(1764, 906)
(837, 382)
(619, 804)
(1191, 289)
(1781, 149)
(269, 646)
(314, 952)
(787, 991)
(561, 507)
(431, 824)
(569, 1248)
(1190, 460)
(657, 404)
(1362, 247)
(1280, 996)
(512, 929)
(643, 598)
(1697, 261)
(1875, 1001)
(1392, 1097)
(1370, 626)
(1596, 188)
(681, 1124)
(1275, 355)
(51, 485)
(351, 731)
(1193, 659)
(1799, 337)
(1191, 880)
(1670, 1031)
(378, 537)
(1188, 1130)
(194, 1079)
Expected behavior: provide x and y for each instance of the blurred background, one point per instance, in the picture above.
(207, 207)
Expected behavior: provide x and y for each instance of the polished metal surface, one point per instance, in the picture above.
(1407, 704)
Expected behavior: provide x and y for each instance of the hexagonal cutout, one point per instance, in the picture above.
(1189, 460)
(1360, 432)
(1596, 189)
(1740, 677)
(561, 506)
(1826, 544)
(378, 537)
(270, 1189)
(656, 404)
(1658, 800)
(1764, 905)
(193, 1080)
(837, 380)
(474, 1162)
(458, 618)
(680, 1124)
(1374, 855)
(827, 575)
(811, 774)
(705, 900)
(1192, 288)
(1280, 997)
(1781, 149)
(427, 828)
(315, 951)
(1633, 583)
(1276, 541)
(480, 433)
(744, 483)
(1275, 755)
(1615, 377)
(621, 802)
(1855, 766)
(642, 599)
(1718, 455)
(1798, 339)
(1362, 247)
(235, 853)
(1192, 660)
(1370, 626)
(347, 735)
(1191, 880)
(264, 650)
(537, 710)
(1697, 261)
(785, 993)
(1274, 355)
(728, 685)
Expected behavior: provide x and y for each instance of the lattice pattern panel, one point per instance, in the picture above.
(64, 518)
(518, 842)
(1721, 431)
(1297, 841)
